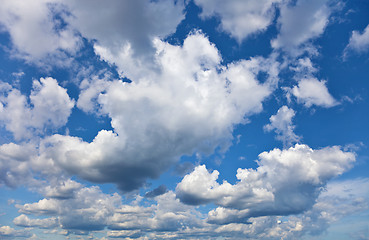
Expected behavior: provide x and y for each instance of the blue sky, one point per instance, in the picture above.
(196, 119)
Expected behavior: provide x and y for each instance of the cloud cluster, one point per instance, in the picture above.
(179, 100)
(8, 232)
(191, 105)
(286, 182)
(169, 218)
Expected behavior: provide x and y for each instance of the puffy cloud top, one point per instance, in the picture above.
(286, 182)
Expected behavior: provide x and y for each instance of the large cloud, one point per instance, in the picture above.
(191, 105)
(286, 182)
(240, 18)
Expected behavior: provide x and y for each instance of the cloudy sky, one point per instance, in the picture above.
(184, 119)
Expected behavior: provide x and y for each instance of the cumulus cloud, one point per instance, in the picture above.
(35, 34)
(92, 210)
(240, 18)
(338, 200)
(24, 221)
(301, 23)
(168, 217)
(281, 123)
(14, 164)
(120, 43)
(359, 42)
(49, 108)
(311, 91)
(286, 182)
(10, 233)
(88, 210)
(191, 105)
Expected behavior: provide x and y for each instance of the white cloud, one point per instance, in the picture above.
(359, 42)
(301, 23)
(281, 123)
(24, 221)
(170, 218)
(191, 105)
(240, 18)
(49, 108)
(311, 91)
(36, 36)
(121, 43)
(89, 209)
(303, 68)
(62, 190)
(14, 165)
(286, 182)
(10, 233)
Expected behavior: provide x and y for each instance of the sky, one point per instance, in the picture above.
(184, 119)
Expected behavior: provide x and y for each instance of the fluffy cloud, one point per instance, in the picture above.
(281, 123)
(286, 182)
(24, 221)
(92, 210)
(300, 23)
(14, 164)
(120, 43)
(240, 18)
(35, 34)
(311, 91)
(191, 105)
(10, 233)
(170, 218)
(359, 42)
(89, 209)
(49, 108)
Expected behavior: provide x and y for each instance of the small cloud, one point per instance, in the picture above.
(359, 42)
(281, 123)
(311, 91)
(18, 74)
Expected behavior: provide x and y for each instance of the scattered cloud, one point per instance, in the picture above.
(311, 91)
(299, 23)
(281, 123)
(359, 42)
(169, 103)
